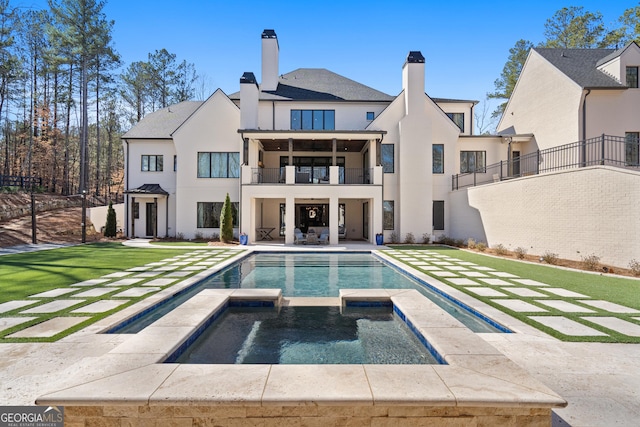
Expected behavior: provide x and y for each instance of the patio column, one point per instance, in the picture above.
(334, 214)
(289, 219)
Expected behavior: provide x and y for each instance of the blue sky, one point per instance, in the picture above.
(465, 43)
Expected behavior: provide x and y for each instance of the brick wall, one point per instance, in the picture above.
(573, 213)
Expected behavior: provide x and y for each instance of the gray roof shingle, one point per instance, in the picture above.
(580, 65)
(162, 123)
(319, 84)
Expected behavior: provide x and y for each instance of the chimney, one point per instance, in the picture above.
(270, 57)
(249, 94)
(413, 80)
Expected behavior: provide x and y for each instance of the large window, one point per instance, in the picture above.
(209, 214)
(632, 77)
(472, 161)
(387, 157)
(151, 163)
(438, 215)
(632, 148)
(313, 119)
(458, 119)
(438, 158)
(387, 215)
(218, 165)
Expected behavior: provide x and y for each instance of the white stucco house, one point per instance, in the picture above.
(310, 149)
(304, 149)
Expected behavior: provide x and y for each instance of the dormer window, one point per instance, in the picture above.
(632, 77)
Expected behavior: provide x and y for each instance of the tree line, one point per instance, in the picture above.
(569, 28)
(66, 97)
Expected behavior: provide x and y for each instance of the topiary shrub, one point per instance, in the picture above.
(426, 238)
(226, 221)
(409, 239)
(110, 228)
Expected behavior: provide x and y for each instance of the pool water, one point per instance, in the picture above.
(307, 335)
(313, 275)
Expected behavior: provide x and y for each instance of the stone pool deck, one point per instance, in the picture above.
(601, 382)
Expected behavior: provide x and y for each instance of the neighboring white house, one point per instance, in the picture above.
(305, 149)
(311, 149)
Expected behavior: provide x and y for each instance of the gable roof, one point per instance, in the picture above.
(580, 65)
(162, 123)
(615, 54)
(319, 84)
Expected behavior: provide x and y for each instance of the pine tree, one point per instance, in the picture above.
(226, 221)
(110, 227)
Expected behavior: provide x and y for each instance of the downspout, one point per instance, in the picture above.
(273, 115)
(126, 184)
(166, 218)
(584, 128)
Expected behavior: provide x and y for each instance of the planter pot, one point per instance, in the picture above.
(244, 239)
(379, 239)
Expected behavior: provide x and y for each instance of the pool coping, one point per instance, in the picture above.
(477, 375)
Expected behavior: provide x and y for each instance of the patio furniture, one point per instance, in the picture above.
(265, 233)
(324, 238)
(298, 237)
(312, 237)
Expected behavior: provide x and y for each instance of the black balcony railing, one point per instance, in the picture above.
(311, 175)
(603, 150)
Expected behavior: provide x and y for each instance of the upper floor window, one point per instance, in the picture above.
(438, 158)
(151, 163)
(458, 119)
(632, 77)
(387, 157)
(313, 119)
(218, 165)
(473, 161)
(370, 115)
(175, 163)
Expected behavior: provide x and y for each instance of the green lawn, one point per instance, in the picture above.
(22, 275)
(618, 290)
(30, 273)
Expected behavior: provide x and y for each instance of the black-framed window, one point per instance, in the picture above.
(313, 119)
(387, 215)
(370, 115)
(209, 214)
(136, 210)
(632, 77)
(218, 165)
(175, 163)
(632, 148)
(438, 158)
(387, 157)
(473, 161)
(438, 214)
(152, 163)
(458, 119)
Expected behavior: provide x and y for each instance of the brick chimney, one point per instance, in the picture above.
(249, 94)
(413, 81)
(270, 58)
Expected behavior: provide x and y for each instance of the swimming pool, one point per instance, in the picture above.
(314, 275)
(306, 335)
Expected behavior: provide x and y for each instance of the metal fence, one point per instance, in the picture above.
(603, 150)
(311, 175)
(26, 182)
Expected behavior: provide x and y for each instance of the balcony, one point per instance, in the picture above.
(288, 175)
